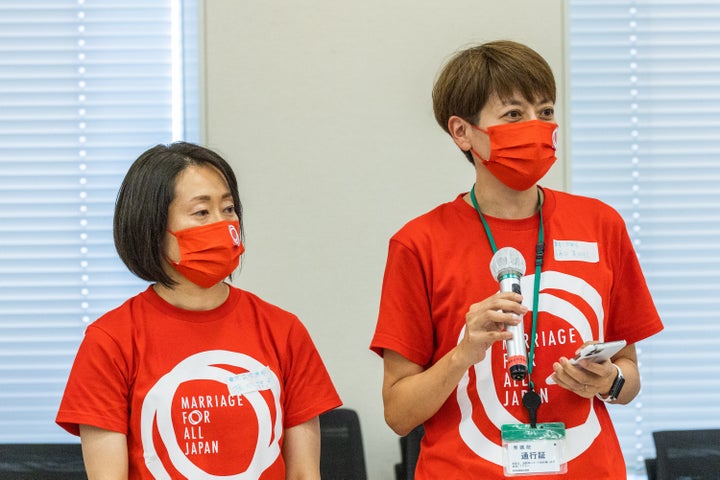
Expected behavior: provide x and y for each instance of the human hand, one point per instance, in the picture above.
(586, 377)
(485, 324)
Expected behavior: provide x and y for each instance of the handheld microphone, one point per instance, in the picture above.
(508, 266)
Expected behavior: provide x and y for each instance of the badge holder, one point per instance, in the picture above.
(530, 450)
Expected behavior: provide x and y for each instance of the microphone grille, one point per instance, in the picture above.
(507, 261)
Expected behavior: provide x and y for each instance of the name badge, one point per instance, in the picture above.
(575, 250)
(529, 451)
(250, 382)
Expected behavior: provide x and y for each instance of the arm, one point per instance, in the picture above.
(104, 453)
(599, 377)
(412, 394)
(301, 451)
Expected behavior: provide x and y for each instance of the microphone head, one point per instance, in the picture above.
(507, 261)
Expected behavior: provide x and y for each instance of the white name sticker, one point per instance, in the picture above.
(575, 250)
(250, 382)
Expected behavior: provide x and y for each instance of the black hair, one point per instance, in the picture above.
(141, 209)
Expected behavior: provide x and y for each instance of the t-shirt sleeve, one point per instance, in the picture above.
(404, 320)
(97, 388)
(309, 390)
(632, 316)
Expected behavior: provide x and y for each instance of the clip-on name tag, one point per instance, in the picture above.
(533, 448)
(529, 450)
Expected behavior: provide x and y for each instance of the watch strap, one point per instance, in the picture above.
(616, 387)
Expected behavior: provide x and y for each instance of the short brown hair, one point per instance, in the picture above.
(141, 209)
(502, 67)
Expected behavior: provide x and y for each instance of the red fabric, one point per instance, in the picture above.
(521, 153)
(209, 253)
(438, 265)
(158, 374)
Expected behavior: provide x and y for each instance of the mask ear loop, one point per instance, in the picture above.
(479, 129)
(475, 127)
(165, 254)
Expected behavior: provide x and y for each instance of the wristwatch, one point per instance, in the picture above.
(616, 387)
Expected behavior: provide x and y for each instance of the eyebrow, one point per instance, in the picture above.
(206, 198)
(510, 101)
(515, 101)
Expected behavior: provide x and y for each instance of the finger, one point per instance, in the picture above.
(501, 319)
(512, 296)
(490, 320)
(500, 301)
(571, 376)
(510, 304)
(561, 377)
(482, 341)
(499, 336)
(574, 379)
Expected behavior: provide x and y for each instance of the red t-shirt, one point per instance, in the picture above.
(591, 288)
(198, 393)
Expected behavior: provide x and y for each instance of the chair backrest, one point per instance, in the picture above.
(651, 468)
(687, 454)
(409, 453)
(342, 456)
(46, 461)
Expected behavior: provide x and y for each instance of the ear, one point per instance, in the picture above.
(459, 130)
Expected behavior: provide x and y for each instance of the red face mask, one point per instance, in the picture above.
(521, 152)
(209, 253)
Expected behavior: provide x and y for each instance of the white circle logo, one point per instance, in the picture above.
(156, 410)
(579, 438)
(234, 234)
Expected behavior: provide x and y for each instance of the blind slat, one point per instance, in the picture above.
(85, 87)
(644, 110)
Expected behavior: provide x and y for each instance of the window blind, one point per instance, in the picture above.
(644, 102)
(85, 87)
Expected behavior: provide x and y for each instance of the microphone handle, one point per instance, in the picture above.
(516, 350)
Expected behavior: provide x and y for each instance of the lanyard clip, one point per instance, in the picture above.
(539, 254)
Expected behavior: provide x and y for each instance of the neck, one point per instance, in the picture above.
(188, 296)
(506, 203)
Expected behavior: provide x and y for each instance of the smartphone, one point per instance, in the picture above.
(596, 352)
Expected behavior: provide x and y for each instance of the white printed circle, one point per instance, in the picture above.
(203, 366)
(579, 438)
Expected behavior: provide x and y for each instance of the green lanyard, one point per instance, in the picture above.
(539, 253)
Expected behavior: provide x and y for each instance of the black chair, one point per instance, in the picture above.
(651, 468)
(342, 456)
(41, 461)
(687, 454)
(409, 453)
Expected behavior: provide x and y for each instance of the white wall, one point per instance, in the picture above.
(324, 110)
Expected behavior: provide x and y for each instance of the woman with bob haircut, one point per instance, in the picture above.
(193, 377)
(478, 353)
